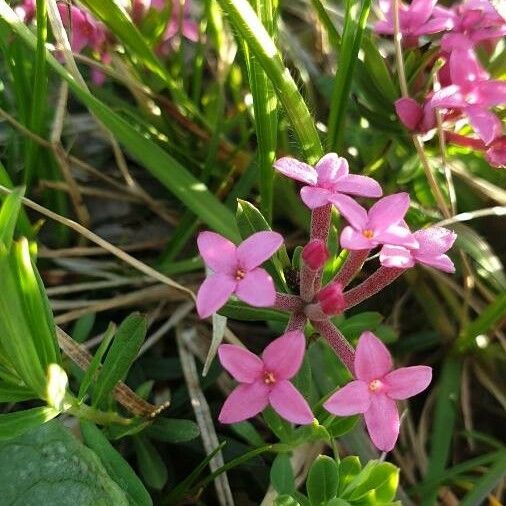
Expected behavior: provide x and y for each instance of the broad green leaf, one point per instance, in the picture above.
(341, 425)
(322, 481)
(122, 353)
(9, 216)
(283, 429)
(349, 468)
(282, 478)
(117, 467)
(151, 465)
(378, 481)
(166, 169)
(49, 466)
(172, 430)
(353, 326)
(286, 500)
(15, 393)
(15, 424)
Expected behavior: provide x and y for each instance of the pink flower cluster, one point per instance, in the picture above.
(238, 271)
(467, 89)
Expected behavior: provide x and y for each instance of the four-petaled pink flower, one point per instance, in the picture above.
(416, 19)
(236, 270)
(471, 91)
(328, 182)
(433, 243)
(265, 380)
(376, 389)
(383, 224)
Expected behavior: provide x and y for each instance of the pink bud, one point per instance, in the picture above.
(331, 299)
(315, 254)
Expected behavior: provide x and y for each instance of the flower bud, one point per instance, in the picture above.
(315, 254)
(331, 299)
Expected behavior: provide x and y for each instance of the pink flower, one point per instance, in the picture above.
(383, 224)
(418, 18)
(414, 116)
(433, 243)
(264, 381)
(471, 91)
(315, 254)
(328, 182)
(26, 10)
(81, 24)
(496, 153)
(236, 270)
(376, 389)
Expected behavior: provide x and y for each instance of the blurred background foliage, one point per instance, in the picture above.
(166, 146)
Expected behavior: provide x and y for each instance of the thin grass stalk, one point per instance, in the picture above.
(246, 22)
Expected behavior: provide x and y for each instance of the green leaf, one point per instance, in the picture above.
(172, 430)
(188, 189)
(349, 468)
(151, 465)
(95, 363)
(9, 216)
(353, 326)
(15, 393)
(340, 426)
(49, 466)
(282, 478)
(286, 500)
(378, 481)
(283, 429)
(122, 353)
(117, 467)
(15, 424)
(322, 481)
(240, 311)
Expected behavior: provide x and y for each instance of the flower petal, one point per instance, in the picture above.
(448, 97)
(290, 404)
(214, 293)
(294, 169)
(245, 401)
(410, 112)
(314, 197)
(382, 421)
(397, 235)
(256, 288)
(485, 123)
(351, 399)
(441, 262)
(388, 211)
(218, 253)
(258, 248)
(359, 185)
(283, 356)
(396, 256)
(350, 209)
(243, 365)
(354, 240)
(407, 381)
(330, 168)
(420, 11)
(372, 358)
(434, 241)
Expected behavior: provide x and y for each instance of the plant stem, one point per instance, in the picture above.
(287, 302)
(343, 349)
(372, 285)
(351, 266)
(307, 283)
(297, 322)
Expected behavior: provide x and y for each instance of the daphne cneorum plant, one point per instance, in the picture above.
(237, 270)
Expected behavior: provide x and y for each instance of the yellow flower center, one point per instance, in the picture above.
(239, 274)
(269, 378)
(367, 233)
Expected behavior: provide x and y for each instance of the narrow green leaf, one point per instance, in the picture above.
(172, 430)
(14, 424)
(15, 393)
(25, 227)
(328, 24)
(95, 363)
(9, 214)
(117, 467)
(240, 311)
(151, 465)
(122, 353)
(322, 481)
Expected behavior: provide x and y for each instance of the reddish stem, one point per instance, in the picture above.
(288, 303)
(320, 222)
(297, 322)
(307, 283)
(372, 285)
(462, 140)
(351, 266)
(343, 349)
